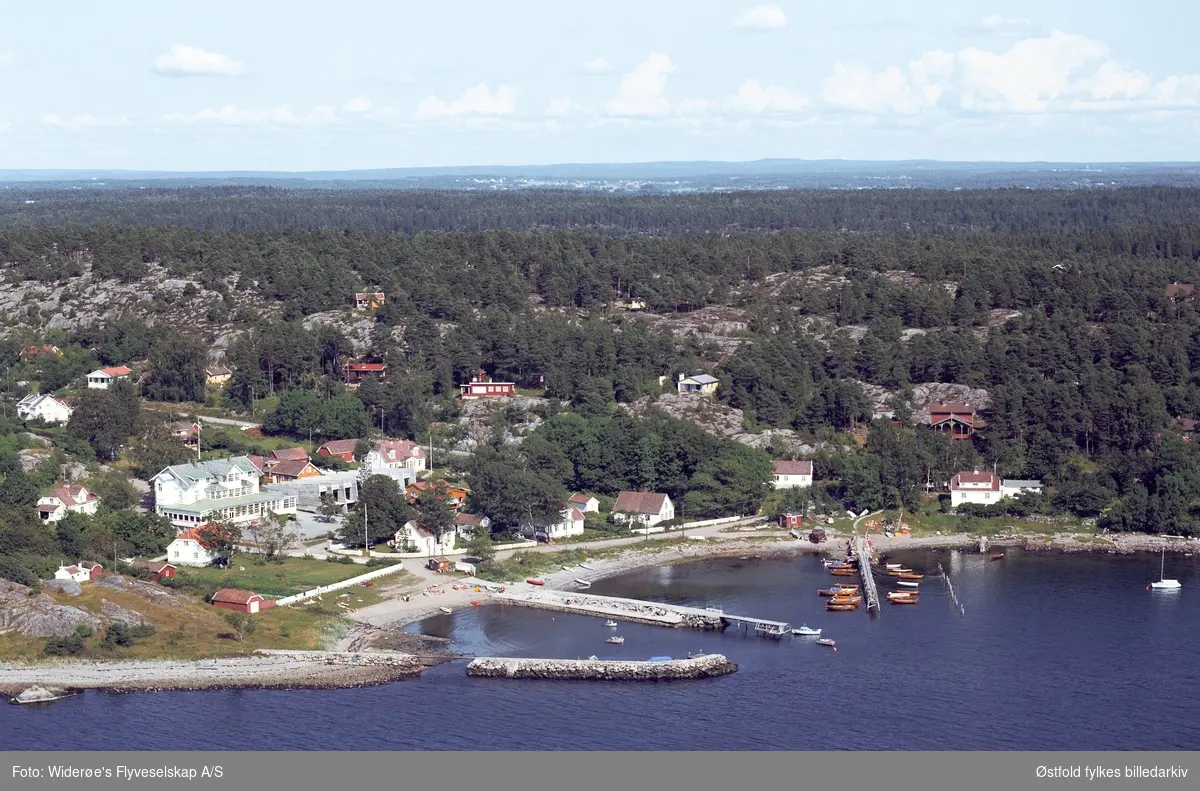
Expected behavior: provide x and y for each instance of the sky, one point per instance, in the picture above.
(355, 84)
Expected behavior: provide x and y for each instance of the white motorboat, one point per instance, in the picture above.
(615, 640)
(611, 624)
(894, 566)
(1164, 583)
(804, 631)
(908, 584)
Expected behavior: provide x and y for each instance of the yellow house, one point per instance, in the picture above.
(217, 375)
(702, 384)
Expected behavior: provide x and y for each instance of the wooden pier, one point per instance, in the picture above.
(760, 626)
(866, 572)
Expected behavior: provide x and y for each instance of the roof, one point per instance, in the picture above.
(193, 534)
(217, 370)
(70, 492)
(468, 520)
(234, 596)
(290, 468)
(575, 515)
(399, 450)
(1175, 289)
(199, 471)
(582, 499)
(339, 446)
(290, 454)
(953, 408)
(640, 502)
(786, 467)
(366, 367)
(90, 564)
(258, 462)
(72, 569)
(702, 379)
(119, 370)
(156, 567)
(200, 507)
(368, 293)
(975, 477)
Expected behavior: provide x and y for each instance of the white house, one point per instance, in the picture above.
(586, 504)
(417, 538)
(69, 499)
(645, 508)
(74, 573)
(793, 474)
(227, 490)
(1011, 487)
(396, 454)
(467, 524)
(571, 524)
(977, 486)
(44, 407)
(189, 549)
(102, 378)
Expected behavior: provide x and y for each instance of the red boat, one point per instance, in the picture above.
(533, 581)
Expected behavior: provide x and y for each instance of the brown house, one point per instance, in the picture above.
(956, 419)
(290, 470)
(339, 449)
(357, 372)
(247, 602)
(1180, 292)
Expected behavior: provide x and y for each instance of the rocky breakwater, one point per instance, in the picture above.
(632, 610)
(706, 666)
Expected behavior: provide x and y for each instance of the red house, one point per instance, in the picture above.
(956, 418)
(483, 387)
(33, 351)
(339, 449)
(158, 570)
(791, 521)
(240, 601)
(94, 569)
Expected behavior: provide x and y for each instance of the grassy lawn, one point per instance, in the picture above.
(292, 575)
(190, 629)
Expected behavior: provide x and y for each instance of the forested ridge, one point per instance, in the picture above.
(1055, 303)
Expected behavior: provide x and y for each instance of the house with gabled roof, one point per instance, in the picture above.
(585, 503)
(395, 453)
(700, 384)
(216, 375)
(44, 407)
(339, 449)
(68, 499)
(646, 509)
(793, 474)
(291, 470)
(225, 490)
(956, 419)
(104, 377)
(190, 548)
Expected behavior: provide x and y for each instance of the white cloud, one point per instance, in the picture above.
(185, 61)
(80, 121)
(477, 100)
(754, 98)
(763, 17)
(643, 90)
(359, 104)
(561, 108)
(597, 66)
(1038, 74)
(232, 115)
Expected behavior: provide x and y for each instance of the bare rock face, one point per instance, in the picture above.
(476, 420)
(36, 615)
(68, 587)
(114, 612)
(721, 421)
(147, 590)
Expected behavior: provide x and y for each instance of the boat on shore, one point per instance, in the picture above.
(533, 581)
(40, 694)
(615, 640)
(804, 631)
(446, 610)
(583, 583)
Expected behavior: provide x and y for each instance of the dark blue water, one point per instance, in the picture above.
(1054, 652)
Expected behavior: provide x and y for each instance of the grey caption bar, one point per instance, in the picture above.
(583, 771)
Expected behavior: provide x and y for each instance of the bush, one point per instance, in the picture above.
(65, 646)
(343, 559)
(124, 635)
(376, 562)
(15, 571)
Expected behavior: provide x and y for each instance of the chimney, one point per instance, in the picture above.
(681, 377)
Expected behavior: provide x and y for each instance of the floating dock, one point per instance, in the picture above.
(865, 570)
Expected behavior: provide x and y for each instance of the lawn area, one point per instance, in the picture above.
(291, 575)
(186, 628)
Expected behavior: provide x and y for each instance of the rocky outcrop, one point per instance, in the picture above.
(476, 421)
(601, 669)
(116, 613)
(66, 587)
(36, 615)
(722, 421)
(147, 590)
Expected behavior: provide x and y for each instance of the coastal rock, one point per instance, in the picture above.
(147, 590)
(67, 587)
(601, 669)
(37, 615)
(116, 613)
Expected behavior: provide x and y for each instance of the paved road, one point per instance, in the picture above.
(220, 421)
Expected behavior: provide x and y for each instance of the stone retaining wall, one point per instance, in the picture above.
(601, 669)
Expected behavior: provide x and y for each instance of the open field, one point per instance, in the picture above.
(284, 578)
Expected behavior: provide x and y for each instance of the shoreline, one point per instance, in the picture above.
(360, 660)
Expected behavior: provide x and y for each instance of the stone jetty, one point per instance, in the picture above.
(632, 610)
(602, 669)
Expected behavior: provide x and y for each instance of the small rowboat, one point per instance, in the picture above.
(912, 576)
(846, 573)
(900, 595)
(841, 607)
(533, 581)
(615, 640)
(998, 556)
(446, 610)
(908, 584)
(826, 641)
(903, 599)
(474, 603)
(857, 600)
(898, 572)
(894, 566)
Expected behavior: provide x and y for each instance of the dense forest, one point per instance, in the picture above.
(1055, 303)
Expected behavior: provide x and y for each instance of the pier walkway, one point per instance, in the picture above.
(634, 610)
(863, 552)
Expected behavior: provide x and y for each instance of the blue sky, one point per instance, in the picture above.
(300, 85)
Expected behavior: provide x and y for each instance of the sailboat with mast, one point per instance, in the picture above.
(1164, 583)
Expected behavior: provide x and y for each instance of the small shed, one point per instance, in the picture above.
(791, 521)
(440, 565)
(247, 602)
(157, 570)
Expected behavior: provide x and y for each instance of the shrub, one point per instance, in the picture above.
(65, 646)
(124, 635)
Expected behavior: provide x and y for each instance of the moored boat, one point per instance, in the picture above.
(844, 573)
(912, 576)
(894, 566)
(903, 599)
(804, 631)
(826, 641)
(611, 624)
(855, 600)
(446, 610)
(997, 556)
(841, 607)
(907, 584)
(615, 640)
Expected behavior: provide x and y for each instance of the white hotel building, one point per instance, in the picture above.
(191, 495)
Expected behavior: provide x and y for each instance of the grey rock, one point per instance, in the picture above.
(68, 587)
(36, 615)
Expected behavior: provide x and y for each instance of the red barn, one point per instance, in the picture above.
(158, 570)
(339, 449)
(94, 569)
(239, 601)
